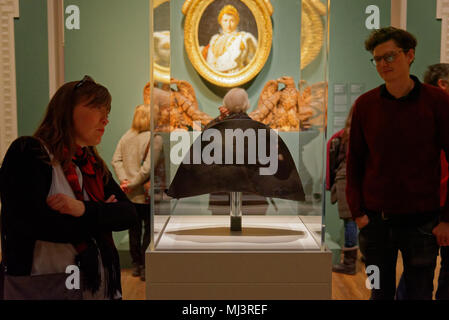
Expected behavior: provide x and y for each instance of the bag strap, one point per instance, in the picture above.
(146, 151)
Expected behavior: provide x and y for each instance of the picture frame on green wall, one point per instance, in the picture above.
(238, 52)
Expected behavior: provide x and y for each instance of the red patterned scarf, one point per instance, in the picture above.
(93, 182)
(87, 257)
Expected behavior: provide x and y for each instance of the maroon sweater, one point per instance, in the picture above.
(393, 162)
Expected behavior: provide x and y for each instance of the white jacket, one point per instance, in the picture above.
(239, 51)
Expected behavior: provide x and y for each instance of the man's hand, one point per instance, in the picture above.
(362, 221)
(111, 199)
(66, 205)
(441, 232)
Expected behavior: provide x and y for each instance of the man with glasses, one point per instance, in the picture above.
(393, 169)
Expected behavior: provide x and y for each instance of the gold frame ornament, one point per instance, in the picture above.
(261, 10)
(312, 30)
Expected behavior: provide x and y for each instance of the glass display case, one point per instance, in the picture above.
(232, 191)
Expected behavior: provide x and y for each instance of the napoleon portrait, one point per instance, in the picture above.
(227, 36)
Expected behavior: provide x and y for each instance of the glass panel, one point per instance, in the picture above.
(278, 54)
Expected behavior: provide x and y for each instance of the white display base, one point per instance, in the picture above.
(273, 257)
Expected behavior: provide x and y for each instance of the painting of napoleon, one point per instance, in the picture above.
(227, 36)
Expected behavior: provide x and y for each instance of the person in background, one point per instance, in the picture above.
(132, 165)
(336, 183)
(437, 75)
(393, 169)
(235, 106)
(60, 203)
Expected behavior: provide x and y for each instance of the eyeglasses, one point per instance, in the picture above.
(388, 57)
(83, 81)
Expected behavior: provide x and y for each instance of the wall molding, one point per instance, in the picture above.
(9, 9)
(55, 21)
(399, 14)
(443, 14)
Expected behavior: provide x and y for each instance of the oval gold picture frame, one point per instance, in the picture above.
(262, 14)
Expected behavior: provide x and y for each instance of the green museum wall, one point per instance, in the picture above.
(31, 52)
(422, 22)
(111, 46)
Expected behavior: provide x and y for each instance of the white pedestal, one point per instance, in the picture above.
(274, 257)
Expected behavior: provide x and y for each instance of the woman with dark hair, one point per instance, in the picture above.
(60, 203)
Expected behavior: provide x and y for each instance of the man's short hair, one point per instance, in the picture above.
(403, 39)
(436, 72)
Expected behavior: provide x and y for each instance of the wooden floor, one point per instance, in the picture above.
(344, 287)
(132, 287)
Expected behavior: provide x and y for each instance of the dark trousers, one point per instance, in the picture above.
(380, 241)
(443, 279)
(137, 245)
